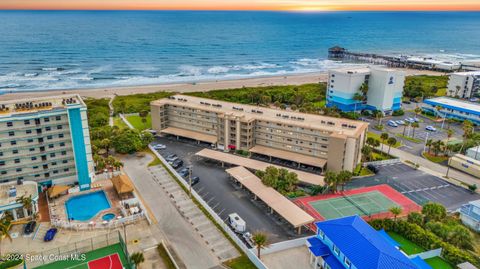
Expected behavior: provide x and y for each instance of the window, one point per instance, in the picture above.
(50, 146)
(57, 118)
(46, 119)
(3, 172)
(19, 170)
(37, 175)
(49, 137)
(13, 143)
(64, 161)
(34, 158)
(2, 162)
(30, 140)
(9, 124)
(52, 155)
(66, 170)
(64, 153)
(321, 234)
(60, 136)
(15, 151)
(62, 144)
(48, 128)
(26, 122)
(347, 262)
(1, 153)
(28, 131)
(54, 163)
(11, 133)
(17, 161)
(55, 171)
(59, 127)
(336, 250)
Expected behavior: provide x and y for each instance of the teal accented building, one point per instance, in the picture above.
(46, 140)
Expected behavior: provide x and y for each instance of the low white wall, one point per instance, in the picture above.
(280, 246)
(428, 254)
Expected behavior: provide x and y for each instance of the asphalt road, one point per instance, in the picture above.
(418, 186)
(219, 191)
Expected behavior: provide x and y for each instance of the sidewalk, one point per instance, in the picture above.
(432, 168)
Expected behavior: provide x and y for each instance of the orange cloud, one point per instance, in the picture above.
(297, 5)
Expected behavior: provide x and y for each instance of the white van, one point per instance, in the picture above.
(237, 223)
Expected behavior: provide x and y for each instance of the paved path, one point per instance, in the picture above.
(431, 167)
(110, 106)
(184, 240)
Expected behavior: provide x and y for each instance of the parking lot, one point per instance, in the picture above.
(223, 195)
(418, 186)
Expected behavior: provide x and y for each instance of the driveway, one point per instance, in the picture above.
(187, 244)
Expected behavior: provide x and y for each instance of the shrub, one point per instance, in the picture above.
(399, 112)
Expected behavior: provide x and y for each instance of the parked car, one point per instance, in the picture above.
(400, 122)
(183, 172)
(171, 157)
(392, 123)
(50, 234)
(431, 128)
(372, 168)
(238, 224)
(159, 146)
(411, 120)
(248, 237)
(177, 163)
(30, 227)
(415, 119)
(195, 180)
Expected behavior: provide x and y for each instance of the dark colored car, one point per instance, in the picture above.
(50, 234)
(372, 168)
(183, 172)
(177, 163)
(30, 227)
(195, 180)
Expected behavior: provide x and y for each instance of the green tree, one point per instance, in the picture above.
(143, 115)
(122, 106)
(450, 133)
(414, 126)
(405, 127)
(27, 203)
(396, 210)
(128, 141)
(343, 177)
(331, 180)
(4, 231)
(467, 127)
(429, 144)
(358, 97)
(383, 138)
(415, 217)
(461, 237)
(260, 240)
(417, 110)
(433, 212)
(366, 154)
(137, 258)
(391, 142)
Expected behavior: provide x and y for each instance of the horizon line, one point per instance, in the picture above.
(247, 10)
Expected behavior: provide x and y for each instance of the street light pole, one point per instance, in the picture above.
(425, 145)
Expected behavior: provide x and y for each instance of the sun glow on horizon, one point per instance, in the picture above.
(273, 5)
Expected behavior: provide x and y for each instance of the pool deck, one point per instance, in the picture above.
(59, 212)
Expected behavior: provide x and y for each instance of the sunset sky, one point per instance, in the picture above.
(298, 5)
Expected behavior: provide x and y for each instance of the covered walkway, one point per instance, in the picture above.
(223, 157)
(190, 134)
(277, 202)
(288, 155)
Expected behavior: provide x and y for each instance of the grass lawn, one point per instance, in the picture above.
(438, 263)
(414, 140)
(433, 158)
(155, 161)
(137, 123)
(117, 121)
(441, 92)
(406, 245)
(135, 103)
(377, 136)
(362, 171)
(241, 262)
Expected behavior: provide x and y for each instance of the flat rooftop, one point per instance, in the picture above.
(27, 188)
(33, 105)
(352, 70)
(455, 104)
(250, 112)
(470, 73)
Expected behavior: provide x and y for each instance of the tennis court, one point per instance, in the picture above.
(364, 204)
(110, 257)
(369, 203)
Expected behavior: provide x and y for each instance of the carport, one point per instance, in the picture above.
(178, 132)
(223, 157)
(290, 156)
(277, 202)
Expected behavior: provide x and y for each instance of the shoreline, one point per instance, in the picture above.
(204, 85)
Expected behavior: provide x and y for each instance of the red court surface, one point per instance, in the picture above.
(400, 199)
(107, 262)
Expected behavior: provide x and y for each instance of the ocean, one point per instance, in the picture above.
(42, 50)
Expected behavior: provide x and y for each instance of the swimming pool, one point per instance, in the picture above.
(108, 216)
(85, 206)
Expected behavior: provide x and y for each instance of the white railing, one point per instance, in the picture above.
(116, 223)
(390, 161)
(250, 254)
(126, 121)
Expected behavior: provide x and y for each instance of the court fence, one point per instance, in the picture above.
(75, 250)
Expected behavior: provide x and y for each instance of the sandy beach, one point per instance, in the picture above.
(107, 92)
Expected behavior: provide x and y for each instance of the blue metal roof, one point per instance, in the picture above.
(314, 241)
(435, 102)
(363, 245)
(333, 262)
(388, 238)
(320, 250)
(421, 264)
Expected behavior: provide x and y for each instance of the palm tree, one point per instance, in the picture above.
(396, 210)
(414, 126)
(438, 108)
(106, 144)
(331, 180)
(391, 141)
(260, 240)
(379, 115)
(4, 231)
(344, 177)
(366, 153)
(383, 137)
(357, 97)
(405, 127)
(467, 129)
(370, 141)
(417, 110)
(27, 203)
(137, 258)
(143, 114)
(429, 144)
(449, 135)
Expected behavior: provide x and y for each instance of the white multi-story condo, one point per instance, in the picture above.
(45, 140)
(308, 139)
(464, 85)
(346, 89)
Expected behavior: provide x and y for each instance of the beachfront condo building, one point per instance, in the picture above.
(465, 85)
(365, 88)
(45, 140)
(451, 108)
(314, 140)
